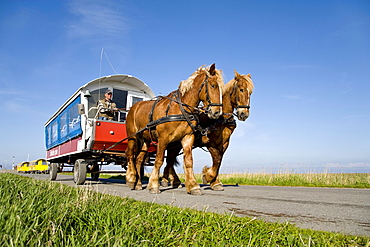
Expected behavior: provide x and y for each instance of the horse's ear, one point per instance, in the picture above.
(236, 73)
(249, 75)
(212, 69)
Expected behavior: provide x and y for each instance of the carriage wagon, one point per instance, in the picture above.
(75, 135)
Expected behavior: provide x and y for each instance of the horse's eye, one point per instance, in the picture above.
(242, 90)
(213, 86)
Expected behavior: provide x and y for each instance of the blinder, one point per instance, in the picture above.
(243, 106)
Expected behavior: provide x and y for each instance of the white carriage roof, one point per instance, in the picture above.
(127, 79)
(120, 78)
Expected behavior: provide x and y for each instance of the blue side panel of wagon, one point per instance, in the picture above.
(65, 126)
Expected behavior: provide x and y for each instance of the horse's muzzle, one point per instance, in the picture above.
(214, 112)
(242, 115)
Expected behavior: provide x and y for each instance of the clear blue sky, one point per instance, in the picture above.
(309, 60)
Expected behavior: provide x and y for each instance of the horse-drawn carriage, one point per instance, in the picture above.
(76, 136)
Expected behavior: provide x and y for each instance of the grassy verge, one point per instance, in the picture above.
(43, 213)
(338, 180)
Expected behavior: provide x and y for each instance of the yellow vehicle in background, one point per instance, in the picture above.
(39, 166)
(35, 166)
(23, 167)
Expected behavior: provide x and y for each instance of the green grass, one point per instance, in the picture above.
(338, 180)
(42, 213)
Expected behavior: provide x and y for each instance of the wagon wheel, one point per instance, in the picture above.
(53, 171)
(95, 168)
(79, 171)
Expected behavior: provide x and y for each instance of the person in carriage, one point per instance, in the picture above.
(107, 107)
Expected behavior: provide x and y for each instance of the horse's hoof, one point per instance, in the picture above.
(154, 191)
(217, 187)
(164, 183)
(177, 185)
(138, 187)
(131, 185)
(204, 180)
(196, 192)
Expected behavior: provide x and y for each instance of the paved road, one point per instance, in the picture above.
(328, 209)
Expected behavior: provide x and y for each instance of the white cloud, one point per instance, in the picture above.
(295, 97)
(243, 128)
(96, 18)
(262, 137)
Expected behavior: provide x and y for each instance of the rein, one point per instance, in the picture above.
(186, 115)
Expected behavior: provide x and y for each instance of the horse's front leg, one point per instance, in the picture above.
(210, 175)
(153, 185)
(192, 187)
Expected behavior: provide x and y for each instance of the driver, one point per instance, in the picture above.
(108, 106)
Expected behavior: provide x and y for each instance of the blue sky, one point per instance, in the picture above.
(309, 60)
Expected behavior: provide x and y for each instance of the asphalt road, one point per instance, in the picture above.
(328, 209)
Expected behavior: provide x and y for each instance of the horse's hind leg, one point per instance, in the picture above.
(139, 165)
(153, 185)
(210, 175)
(169, 172)
(166, 174)
(131, 171)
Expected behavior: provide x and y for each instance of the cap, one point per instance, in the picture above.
(108, 91)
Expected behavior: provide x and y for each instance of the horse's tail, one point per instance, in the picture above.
(176, 162)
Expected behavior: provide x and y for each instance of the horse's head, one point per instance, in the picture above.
(241, 93)
(210, 92)
(204, 85)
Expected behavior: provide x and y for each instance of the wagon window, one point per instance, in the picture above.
(63, 125)
(54, 131)
(136, 99)
(120, 98)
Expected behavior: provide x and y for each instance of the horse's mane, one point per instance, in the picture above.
(229, 86)
(187, 84)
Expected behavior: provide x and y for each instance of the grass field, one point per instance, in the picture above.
(338, 180)
(43, 213)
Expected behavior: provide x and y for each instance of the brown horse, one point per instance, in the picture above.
(236, 96)
(171, 119)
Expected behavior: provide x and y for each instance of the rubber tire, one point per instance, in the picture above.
(95, 176)
(53, 171)
(79, 171)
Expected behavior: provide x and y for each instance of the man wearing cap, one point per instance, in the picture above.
(107, 106)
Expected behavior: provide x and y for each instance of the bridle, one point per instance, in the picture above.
(208, 98)
(237, 97)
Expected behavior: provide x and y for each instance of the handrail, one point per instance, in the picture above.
(104, 108)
